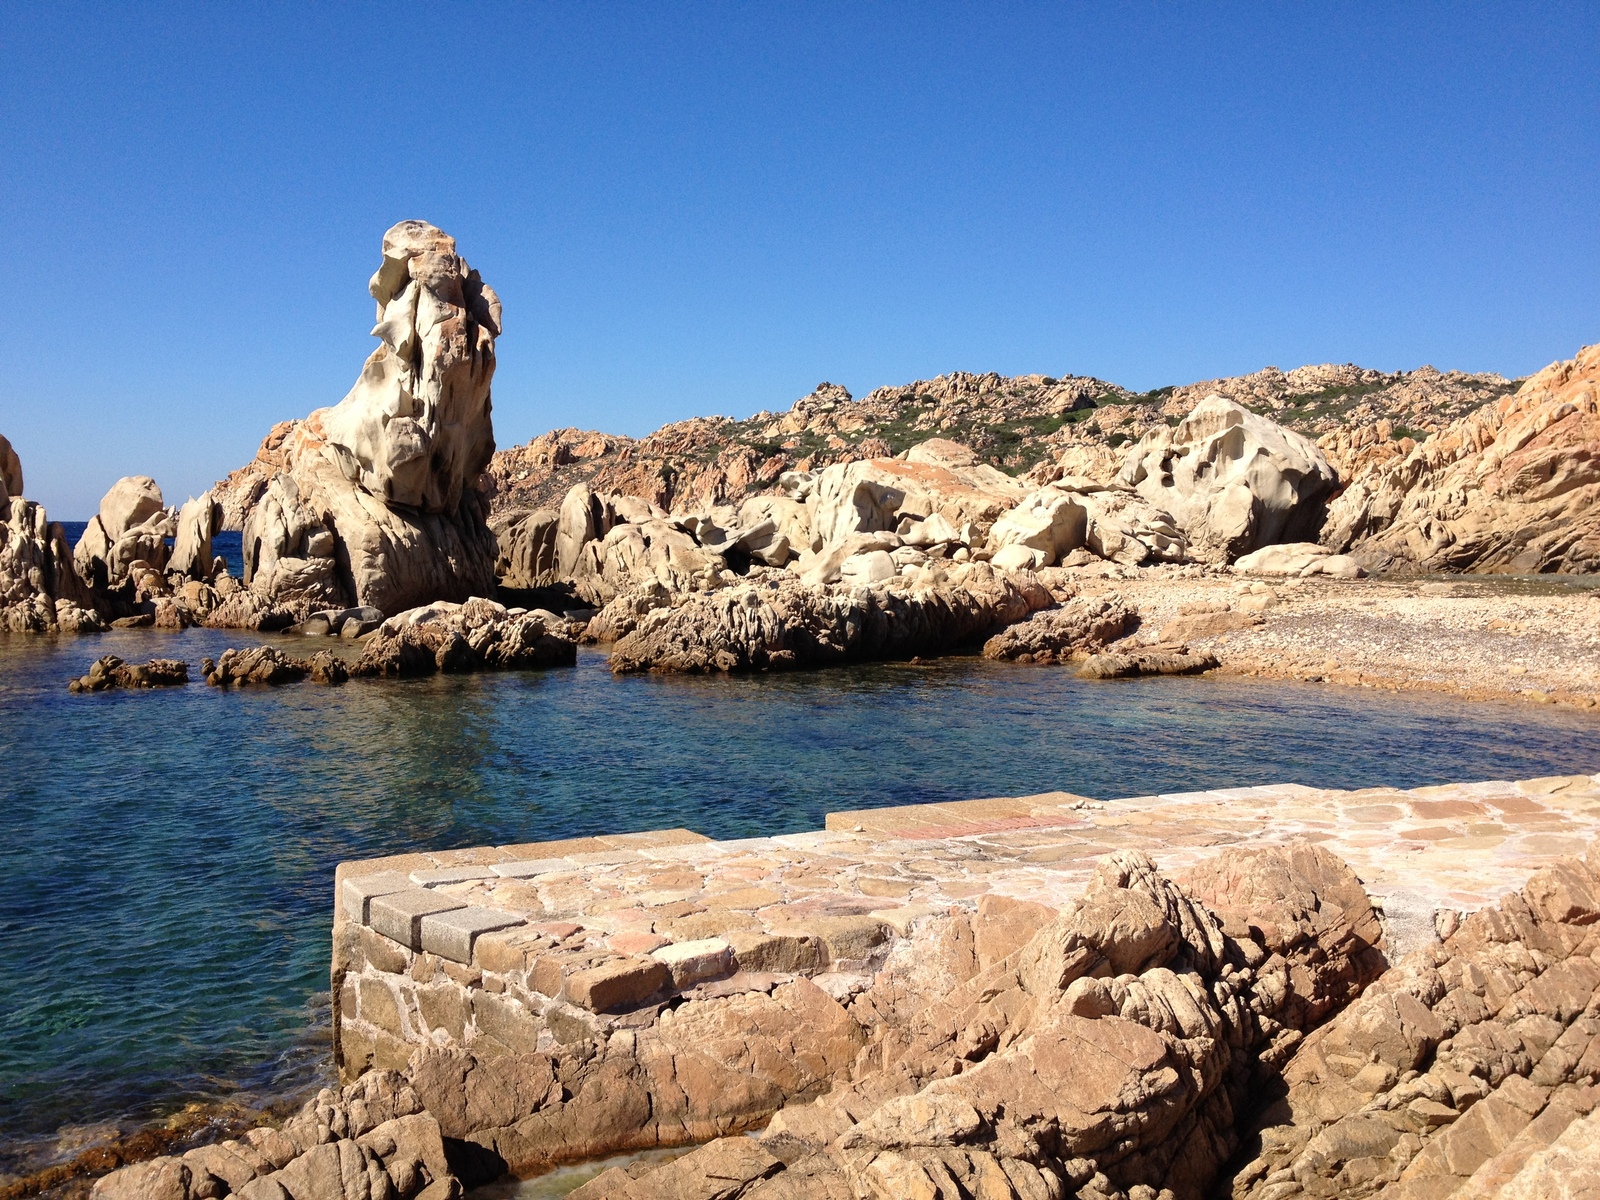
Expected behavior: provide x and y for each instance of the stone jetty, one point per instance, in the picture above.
(1260, 991)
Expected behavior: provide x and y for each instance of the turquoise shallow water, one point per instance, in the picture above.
(166, 870)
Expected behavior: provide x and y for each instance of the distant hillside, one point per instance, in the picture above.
(1026, 425)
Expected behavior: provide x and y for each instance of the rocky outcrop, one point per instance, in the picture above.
(1077, 628)
(198, 521)
(131, 527)
(1234, 481)
(40, 592)
(375, 503)
(479, 635)
(1466, 1070)
(111, 672)
(1513, 487)
(1077, 514)
(1037, 426)
(781, 623)
(1105, 1058)
(270, 666)
(10, 471)
(373, 1140)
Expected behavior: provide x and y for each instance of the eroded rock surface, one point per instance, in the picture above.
(1512, 487)
(782, 623)
(111, 672)
(479, 635)
(1460, 1072)
(1080, 626)
(1235, 481)
(374, 502)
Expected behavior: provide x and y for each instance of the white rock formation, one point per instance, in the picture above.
(132, 526)
(1299, 559)
(376, 505)
(39, 590)
(1234, 481)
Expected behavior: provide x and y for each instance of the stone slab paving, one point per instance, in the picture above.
(623, 902)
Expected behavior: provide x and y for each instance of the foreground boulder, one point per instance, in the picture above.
(1107, 1057)
(781, 623)
(1513, 487)
(375, 504)
(271, 666)
(373, 1140)
(1234, 481)
(1300, 560)
(1466, 1070)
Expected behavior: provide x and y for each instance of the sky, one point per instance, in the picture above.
(710, 207)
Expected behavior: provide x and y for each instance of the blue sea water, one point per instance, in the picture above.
(167, 861)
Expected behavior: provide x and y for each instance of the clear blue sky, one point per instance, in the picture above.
(708, 208)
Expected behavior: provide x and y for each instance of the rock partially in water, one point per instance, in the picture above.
(374, 503)
(479, 635)
(1082, 625)
(781, 623)
(1154, 660)
(111, 672)
(269, 665)
(373, 1139)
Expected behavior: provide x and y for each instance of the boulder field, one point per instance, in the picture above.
(976, 999)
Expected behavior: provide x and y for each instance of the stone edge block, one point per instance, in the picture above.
(527, 868)
(398, 915)
(444, 875)
(356, 893)
(452, 934)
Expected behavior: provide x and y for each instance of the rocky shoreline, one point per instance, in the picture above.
(1264, 992)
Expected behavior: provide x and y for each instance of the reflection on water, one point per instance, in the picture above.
(166, 874)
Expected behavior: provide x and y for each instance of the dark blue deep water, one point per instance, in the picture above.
(167, 861)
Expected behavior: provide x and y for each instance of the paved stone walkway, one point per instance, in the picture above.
(1423, 854)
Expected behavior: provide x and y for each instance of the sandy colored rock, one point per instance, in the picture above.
(1513, 487)
(1233, 480)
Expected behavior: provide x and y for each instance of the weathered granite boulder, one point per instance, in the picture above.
(1107, 1057)
(1147, 660)
(10, 470)
(40, 592)
(132, 526)
(782, 623)
(877, 494)
(527, 547)
(1513, 487)
(111, 672)
(269, 665)
(1463, 1071)
(479, 635)
(373, 1140)
(375, 504)
(199, 520)
(1299, 559)
(1079, 627)
(1233, 480)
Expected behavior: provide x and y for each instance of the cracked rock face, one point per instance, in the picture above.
(1513, 487)
(375, 503)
